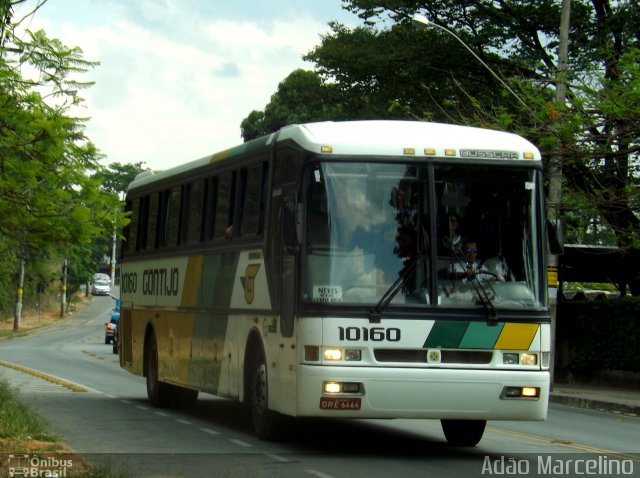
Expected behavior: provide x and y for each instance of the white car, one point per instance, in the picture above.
(101, 287)
(101, 276)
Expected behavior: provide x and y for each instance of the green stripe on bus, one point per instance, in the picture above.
(257, 144)
(446, 334)
(479, 335)
(218, 275)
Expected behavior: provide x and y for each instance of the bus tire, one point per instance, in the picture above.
(266, 423)
(158, 393)
(463, 432)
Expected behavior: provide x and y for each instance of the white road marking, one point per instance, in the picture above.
(240, 442)
(210, 432)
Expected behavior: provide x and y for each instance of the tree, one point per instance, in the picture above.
(49, 204)
(302, 97)
(116, 177)
(595, 133)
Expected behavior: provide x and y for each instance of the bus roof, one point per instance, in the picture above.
(393, 138)
(377, 138)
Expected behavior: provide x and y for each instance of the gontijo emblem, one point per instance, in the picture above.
(249, 282)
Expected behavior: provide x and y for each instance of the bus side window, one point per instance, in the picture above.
(131, 230)
(171, 216)
(210, 209)
(196, 193)
(152, 222)
(224, 204)
(252, 197)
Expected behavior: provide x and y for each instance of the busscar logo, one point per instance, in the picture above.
(488, 154)
(249, 282)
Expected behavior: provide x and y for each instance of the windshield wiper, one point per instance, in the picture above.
(387, 297)
(484, 299)
(481, 292)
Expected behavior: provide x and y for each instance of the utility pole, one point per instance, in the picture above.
(554, 198)
(63, 295)
(113, 256)
(18, 312)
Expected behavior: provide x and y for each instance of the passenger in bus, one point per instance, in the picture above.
(452, 243)
(471, 266)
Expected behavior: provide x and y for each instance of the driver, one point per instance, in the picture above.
(471, 266)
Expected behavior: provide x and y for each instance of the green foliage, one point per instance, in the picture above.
(17, 422)
(388, 68)
(302, 97)
(51, 207)
(604, 334)
(117, 176)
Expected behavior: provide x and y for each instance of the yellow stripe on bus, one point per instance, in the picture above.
(192, 281)
(516, 336)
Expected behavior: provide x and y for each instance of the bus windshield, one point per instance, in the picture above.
(428, 235)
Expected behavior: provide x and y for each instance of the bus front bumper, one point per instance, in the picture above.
(434, 393)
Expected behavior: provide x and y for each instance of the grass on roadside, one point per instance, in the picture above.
(23, 432)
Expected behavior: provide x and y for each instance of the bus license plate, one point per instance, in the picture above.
(340, 403)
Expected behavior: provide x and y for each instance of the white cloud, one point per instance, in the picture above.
(175, 81)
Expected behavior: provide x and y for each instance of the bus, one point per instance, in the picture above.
(315, 273)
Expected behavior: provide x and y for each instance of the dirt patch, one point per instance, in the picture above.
(33, 319)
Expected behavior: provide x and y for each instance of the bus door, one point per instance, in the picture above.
(283, 284)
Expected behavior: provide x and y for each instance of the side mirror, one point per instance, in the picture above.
(555, 237)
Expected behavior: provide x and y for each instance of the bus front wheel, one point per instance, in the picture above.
(266, 423)
(463, 432)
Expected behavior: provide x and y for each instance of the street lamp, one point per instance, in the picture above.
(423, 22)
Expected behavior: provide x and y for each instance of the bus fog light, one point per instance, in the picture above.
(351, 387)
(332, 387)
(510, 359)
(333, 354)
(529, 359)
(520, 392)
(511, 392)
(311, 353)
(353, 355)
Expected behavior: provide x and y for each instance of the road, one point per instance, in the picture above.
(101, 412)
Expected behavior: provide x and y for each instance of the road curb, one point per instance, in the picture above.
(595, 404)
(43, 376)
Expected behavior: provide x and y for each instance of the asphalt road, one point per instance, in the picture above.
(70, 376)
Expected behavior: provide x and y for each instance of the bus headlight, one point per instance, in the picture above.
(353, 355)
(348, 355)
(332, 354)
(514, 358)
(529, 359)
(510, 359)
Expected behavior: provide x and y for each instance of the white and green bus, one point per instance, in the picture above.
(315, 272)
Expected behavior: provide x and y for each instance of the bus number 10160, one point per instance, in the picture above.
(366, 334)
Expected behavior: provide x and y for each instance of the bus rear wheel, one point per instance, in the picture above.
(267, 424)
(158, 393)
(463, 432)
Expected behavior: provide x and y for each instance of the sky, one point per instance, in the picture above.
(177, 77)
